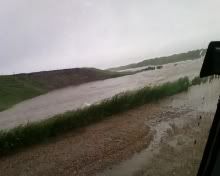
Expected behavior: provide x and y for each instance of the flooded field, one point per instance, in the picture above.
(71, 98)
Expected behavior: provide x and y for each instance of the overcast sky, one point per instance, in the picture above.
(54, 34)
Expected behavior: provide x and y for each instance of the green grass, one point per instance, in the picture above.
(37, 132)
(198, 81)
(17, 88)
(14, 90)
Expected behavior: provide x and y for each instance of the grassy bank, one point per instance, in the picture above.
(17, 88)
(37, 132)
(14, 90)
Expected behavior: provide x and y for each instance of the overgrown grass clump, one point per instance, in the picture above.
(37, 132)
(198, 81)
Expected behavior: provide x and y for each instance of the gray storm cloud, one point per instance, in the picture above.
(53, 34)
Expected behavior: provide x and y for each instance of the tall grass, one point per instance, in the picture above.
(37, 132)
(198, 81)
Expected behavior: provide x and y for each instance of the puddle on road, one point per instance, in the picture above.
(178, 111)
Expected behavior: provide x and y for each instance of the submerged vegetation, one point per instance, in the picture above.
(37, 132)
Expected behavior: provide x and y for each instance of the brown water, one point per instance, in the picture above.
(183, 112)
(70, 98)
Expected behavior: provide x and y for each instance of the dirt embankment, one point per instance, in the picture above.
(68, 77)
(87, 151)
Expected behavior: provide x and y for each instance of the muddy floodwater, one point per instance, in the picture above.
(180, 135)
(70, 98)
(157, 139)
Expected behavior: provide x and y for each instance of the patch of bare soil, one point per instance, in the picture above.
(86, 151)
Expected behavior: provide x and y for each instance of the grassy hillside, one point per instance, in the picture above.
(191, 55)
(16, 88)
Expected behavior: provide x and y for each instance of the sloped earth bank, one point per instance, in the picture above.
(164, 138)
